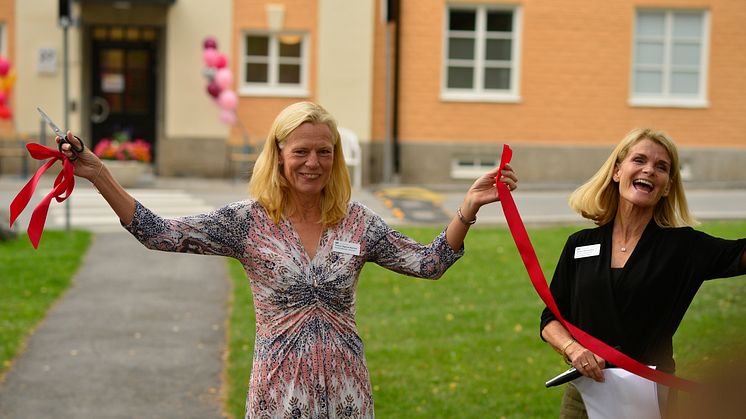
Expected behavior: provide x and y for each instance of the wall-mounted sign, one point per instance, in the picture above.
(46, 61)
(112, 82)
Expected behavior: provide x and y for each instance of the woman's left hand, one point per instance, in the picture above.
(483, 191)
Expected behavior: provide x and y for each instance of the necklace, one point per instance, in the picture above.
(623, 249)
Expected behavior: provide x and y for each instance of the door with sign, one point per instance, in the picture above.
(123, 81)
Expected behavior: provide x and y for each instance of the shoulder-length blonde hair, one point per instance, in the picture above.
(598, 199)
(269, 186)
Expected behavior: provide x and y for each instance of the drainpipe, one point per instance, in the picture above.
(396, 4)
(391, 122)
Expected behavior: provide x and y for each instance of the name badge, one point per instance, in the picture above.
(346, 248)
(587, 251)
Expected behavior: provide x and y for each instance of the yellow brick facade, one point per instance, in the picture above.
(574, 78)
(257, 113)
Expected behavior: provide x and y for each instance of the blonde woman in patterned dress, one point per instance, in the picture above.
(303, 244)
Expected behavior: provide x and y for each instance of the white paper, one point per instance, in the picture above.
(587, 251)
(622, 395)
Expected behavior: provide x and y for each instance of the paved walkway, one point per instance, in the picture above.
(141, 334)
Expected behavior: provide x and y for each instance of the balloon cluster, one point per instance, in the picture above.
(7, 79)
(220, 80)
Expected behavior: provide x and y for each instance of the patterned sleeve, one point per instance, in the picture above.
(399, 253)
(221, 232)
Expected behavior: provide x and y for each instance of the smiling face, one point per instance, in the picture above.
(644, 175)
(306, 159)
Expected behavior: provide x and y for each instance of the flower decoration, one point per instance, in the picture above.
(121, 148)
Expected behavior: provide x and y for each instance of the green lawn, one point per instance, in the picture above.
(31, 280)
(467, 346)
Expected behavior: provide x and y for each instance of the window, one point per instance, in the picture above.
(471, 167)
(274, 64)
(481, 51)
(670, 58)
(3, 47)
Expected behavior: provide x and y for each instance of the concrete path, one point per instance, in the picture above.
(140, 334)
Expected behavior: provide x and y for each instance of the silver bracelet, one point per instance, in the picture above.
(463, 220)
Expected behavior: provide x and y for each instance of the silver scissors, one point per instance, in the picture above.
(63, 138)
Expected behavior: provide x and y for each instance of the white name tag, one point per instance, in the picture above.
(587, 251)
(346, 248)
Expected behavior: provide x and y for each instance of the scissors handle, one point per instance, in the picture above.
(73, 149)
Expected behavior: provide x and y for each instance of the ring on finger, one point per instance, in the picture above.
(585, 365)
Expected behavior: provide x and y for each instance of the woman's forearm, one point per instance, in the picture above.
(119, 200)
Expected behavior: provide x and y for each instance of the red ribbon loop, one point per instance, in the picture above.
(523, 243)
(63, 187)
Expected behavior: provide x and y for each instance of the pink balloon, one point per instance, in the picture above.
(228, 100)
(4, 66)
(221, 61)
(5, 112)
(227, 117)
(214, 90)
(210, 43)
(224, 78)
(210, 56)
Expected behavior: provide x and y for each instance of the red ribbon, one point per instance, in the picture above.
(523, 243)
(64, 183)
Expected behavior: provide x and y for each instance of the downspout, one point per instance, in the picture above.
(396, 4)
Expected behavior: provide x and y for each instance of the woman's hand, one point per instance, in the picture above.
(87, 165)
(483, 190)
(586, 362)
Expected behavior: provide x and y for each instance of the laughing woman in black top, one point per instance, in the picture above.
(630, 280)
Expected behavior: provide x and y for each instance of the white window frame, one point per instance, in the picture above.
(3, 40)
(475, 167)
(478, 93)
(273, 87)
(666, 99)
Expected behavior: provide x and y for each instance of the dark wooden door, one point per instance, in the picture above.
(124, 84)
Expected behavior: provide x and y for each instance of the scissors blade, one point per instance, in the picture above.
(51, 124)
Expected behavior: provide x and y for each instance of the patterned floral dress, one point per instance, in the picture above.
(308, 358)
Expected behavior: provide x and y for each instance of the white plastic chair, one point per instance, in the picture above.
(353, 155)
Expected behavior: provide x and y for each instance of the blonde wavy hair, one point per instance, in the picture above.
(598, 198)
(268, 184)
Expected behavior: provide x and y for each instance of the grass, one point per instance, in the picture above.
(468, 345)
(31, 280)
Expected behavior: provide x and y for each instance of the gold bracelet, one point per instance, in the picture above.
(463, 220)
(564, 350)
(95, 178)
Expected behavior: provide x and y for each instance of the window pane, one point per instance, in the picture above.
(687, 25)
(685, 54)
(501, 21)
(684, 83)
(289, 73)
(498, 49)
(461, 48)
(256, 73)
(648, 81)
(650, 23)
(290, 45)
(462, 20)
(649, 53)
(497, 78)
(460, 77)
(257, 45)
